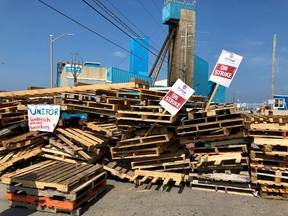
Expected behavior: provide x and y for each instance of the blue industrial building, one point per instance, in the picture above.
(116, 75)
(280, 102)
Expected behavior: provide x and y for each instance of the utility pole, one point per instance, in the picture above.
(273, 64)
(76, 67)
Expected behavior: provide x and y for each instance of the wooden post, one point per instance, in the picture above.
(212, 96)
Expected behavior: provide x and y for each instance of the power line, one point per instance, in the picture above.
(94, 32)
(125, 17)
(93, 8)
(87, 28)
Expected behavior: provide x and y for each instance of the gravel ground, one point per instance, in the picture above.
(122, 198)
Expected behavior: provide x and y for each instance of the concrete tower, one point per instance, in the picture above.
(181, 17)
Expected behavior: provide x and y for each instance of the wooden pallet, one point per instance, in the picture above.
(137, 147)
(272, 147)
(163, 163)
(220, 135)
(7, 119)
(145, 116)
(54, 153)
(134, 84)
(37, 140)
(267, 126)
(110, 129)
(137, 153)
(267, 134)
(145, 140)
(230, 188)
(73, 195)
(13, 129)
(120, 168)
(14, 157)
(242, 177)
(142, 176)
(144, 151)
(218, 150)
(16, 139)
(269, 176)
(86, 139)
(269, 141)
(211, 119)
(266, 119)
(224, 160)
(261, 160)
(54, 205)
(210, 126)
(213, 111)
(62, 176)
(273, 192)
(227, 143)
(92, 110)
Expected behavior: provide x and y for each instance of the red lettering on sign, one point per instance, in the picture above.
(174, 99)
(224, 71)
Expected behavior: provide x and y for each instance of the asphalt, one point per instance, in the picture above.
(124, 199)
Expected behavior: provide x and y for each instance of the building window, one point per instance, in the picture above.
(279, 103)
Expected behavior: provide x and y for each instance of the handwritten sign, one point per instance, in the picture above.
(225, 68)
(43, 117)
(176, 97)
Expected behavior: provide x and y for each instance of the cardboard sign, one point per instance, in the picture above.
(43, 117)
(176, 97)
(225, 68)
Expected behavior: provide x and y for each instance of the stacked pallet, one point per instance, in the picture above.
(54, 186)
(12, 112)
(24, 146)
(221, 122)
(218, 150)
(134, 138)
(269, 155)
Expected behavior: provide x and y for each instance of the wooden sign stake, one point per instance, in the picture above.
(212, 96)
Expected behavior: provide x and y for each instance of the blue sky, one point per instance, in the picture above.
(244, 27)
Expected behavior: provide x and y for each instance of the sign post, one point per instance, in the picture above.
(224, 71)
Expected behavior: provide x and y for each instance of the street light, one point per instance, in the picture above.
(51, 54)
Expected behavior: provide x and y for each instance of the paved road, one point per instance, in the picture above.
(123, 199)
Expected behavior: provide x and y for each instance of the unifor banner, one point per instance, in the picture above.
(225, 68)
(43, 117)
(176, 97)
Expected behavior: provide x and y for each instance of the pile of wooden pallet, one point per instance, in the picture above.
(54, 186)
(126, 131)
(218, 150)
(269, 162)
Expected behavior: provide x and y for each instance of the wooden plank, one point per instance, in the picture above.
(134, 84)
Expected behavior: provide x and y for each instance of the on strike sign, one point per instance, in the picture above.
(43, 117)
(176, 97)
(225, 68)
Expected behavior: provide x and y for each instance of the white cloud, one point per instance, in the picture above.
(119, 54)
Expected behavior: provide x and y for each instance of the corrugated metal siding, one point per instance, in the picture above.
(139, 55)
(200, 76)
(116, 75)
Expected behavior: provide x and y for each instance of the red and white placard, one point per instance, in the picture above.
(176, 97)
(225, 68)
